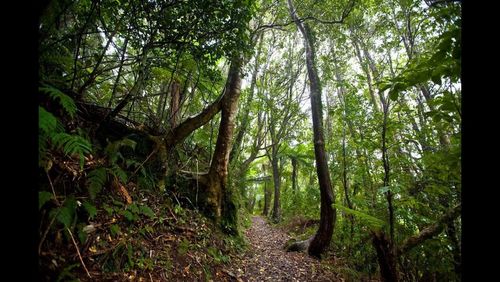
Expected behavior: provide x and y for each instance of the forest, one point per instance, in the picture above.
(249, 140)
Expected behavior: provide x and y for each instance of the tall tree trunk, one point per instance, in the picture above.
(175, 97)
(276, 215)
(246, 114)
(294, 175)
(355, 43)
(267, 199)
(220, 204)
(384, 246)
(386, 257)
(323, 236)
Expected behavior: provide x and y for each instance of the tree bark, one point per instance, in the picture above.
(385, 256)
(267, 199)
(220, 204)
(294, 175)
(276, 215)
(175, 97)
(180, 132)
(323, 236)
(246, 114)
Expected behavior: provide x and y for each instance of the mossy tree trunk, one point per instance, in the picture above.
(220, 203)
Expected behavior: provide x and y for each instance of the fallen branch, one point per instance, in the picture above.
(78, 252)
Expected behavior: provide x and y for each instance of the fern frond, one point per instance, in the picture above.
(72, 144)
(96, 180)
(117, 171)
(66, 102)
(112, 149)
(46, 121)
(369, 220)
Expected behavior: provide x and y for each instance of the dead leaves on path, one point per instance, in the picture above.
(266, 260)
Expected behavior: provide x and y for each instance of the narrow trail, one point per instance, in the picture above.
(267, 260)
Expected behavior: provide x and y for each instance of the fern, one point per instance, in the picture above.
(72, 144)
(96, 180)
(117, 171)
(46, 121)
(91, 209)
(369, 220)
(67, 212)
(43, 197)
(66, 102)
(112, 149)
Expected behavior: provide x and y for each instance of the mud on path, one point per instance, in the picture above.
(267, 260)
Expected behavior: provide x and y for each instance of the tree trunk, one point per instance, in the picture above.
(328, 214)
(246, 114)
(294, 175)
(175, 96)
(220, 204)
(385, 256)
(136, 89)
(267, 199)
(276, 215)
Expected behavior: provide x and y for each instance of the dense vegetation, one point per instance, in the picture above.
(178, 119)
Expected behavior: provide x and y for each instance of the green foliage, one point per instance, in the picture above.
(43, 197)
(91, 209)
(96, 179)
(365, 218)
(183, 247)
(72, 144)
(66, 214)
(66, 274)
(113, 149)
(66, 102)
(115, 229)
(53, 131)
(444, 62)
(217, 255)
(147, 211)
(46, 121)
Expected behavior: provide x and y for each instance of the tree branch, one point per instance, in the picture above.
(280, 26)
(430, 231)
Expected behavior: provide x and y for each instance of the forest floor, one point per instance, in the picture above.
(267, 260)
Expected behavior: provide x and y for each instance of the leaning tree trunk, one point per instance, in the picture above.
(219, 198)
(323, 236)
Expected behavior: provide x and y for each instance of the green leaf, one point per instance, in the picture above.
(384, 189)
(43, 197)
(133, 208)
(67, 212)
(96, 180)
(82, 235)
(369, 220)
(436, 79)
(147, 211)
(66, 102)
(46, 121)
(115, 229)
(72, 144)
(393, 95)
(119, 172)
(129, 216)
(91, 209)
